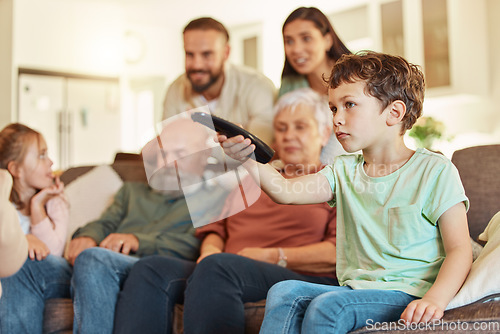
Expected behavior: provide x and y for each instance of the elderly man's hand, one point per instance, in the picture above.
(78, 245)
(121, 243)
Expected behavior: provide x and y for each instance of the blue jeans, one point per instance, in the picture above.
(98, 276)
(146, 303)
(301, 307)
(25, 293)
(216, 291)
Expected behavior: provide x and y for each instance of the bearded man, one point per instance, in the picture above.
(236, 93)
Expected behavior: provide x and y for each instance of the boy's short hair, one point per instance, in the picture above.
(388, 78)
(207, 23)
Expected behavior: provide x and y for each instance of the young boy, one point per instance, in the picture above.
(403, 247)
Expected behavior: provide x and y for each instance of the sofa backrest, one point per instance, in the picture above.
(479, 168)
(132, 171)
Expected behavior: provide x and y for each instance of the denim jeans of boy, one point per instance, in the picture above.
(98, 276)
(25, 293)
(301, 307)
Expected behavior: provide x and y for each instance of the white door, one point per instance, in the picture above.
(94, 118)
(41, 103)
(79, 118)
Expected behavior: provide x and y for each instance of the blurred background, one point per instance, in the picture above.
(91, 74)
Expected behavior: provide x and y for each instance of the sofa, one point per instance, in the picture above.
(479, 169)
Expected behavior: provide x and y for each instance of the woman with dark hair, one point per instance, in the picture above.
(311, 49)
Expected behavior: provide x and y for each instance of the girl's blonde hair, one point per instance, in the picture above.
(14, 142)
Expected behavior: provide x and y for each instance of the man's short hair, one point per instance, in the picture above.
(388, 78)
(207, 23)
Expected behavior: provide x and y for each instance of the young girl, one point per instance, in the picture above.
(43, 211)
(37, 194)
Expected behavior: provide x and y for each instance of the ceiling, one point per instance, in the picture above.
(176, 13)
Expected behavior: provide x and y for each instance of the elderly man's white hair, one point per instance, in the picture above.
(308, 97)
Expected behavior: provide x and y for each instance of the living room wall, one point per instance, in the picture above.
(87, 36)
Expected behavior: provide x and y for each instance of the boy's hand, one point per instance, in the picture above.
(37, 249)
(237, 148)
(422, 310)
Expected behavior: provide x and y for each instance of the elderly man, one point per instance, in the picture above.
(144, 219)
(243, 255)
(238, 94)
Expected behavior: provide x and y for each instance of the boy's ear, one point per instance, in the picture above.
(397, 111)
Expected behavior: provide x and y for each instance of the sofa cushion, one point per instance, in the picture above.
(472, 318)
(58, 316)
(90, 194)
(483, 277)
(254, 315)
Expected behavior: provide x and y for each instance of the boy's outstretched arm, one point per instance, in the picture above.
(307, 189)
(453, 272)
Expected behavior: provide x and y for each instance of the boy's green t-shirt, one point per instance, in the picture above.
(387, 232)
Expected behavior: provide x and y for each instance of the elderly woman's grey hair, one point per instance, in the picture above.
(308, 97)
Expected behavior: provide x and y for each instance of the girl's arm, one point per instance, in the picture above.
(49, 215)
(52, 230)
(307, 189)
(453, 272)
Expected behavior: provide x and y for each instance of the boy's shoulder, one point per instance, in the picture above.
(437, 158)
(348, 159)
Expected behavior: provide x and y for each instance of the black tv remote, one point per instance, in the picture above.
(263, 153)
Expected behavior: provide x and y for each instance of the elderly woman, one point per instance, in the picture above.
(242, 256)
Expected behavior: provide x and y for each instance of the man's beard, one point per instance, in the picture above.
(212, 79)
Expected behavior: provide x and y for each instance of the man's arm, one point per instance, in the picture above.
(453, 272)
